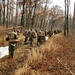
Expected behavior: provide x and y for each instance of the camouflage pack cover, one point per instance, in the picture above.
(41, 33)
(11, 36)
(34, 34)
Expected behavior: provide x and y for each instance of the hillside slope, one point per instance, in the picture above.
(55, 57)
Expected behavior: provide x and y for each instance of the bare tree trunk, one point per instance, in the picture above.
(3, 1)
(9, 19)
(65, 20)
(74, 17)
(52, 23)
(32, 24)
(66, 25)
(44, 16)
(41, 24)
(29, 16)
(7, 14)
(12, 17)
(22, 17)
(0, 14)
(12, 12)
(67, 17)
(16, 13)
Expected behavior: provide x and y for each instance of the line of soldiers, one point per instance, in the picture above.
(40, 36)
(57, 31)
(31, 37)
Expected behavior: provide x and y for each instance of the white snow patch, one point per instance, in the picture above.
(4, 51)
(47, 37)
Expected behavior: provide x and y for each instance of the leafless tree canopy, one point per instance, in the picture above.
(36, 14)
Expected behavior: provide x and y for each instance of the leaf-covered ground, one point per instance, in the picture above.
(55, 57)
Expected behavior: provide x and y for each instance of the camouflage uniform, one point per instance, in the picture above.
(31, 40)
(50, 33)
(11, 49)
(12, 38)
(27, 35)
(33, 35)
(40, 37)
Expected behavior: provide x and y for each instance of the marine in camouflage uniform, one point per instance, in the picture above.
(27, 36)
(12, 39)
(33, 35)
(40, 37)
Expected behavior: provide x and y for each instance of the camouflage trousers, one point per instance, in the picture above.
(11, 51)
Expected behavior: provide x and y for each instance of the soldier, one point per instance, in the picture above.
(13, 40)
(50, 33)
(33, 35)
(40, 37)
(59, 31)
(55, 31)
(27, 35)
(43, 37)
(31, 40)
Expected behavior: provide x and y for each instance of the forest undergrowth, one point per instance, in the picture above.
(55, 57)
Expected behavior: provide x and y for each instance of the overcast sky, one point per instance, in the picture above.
(61, 4)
